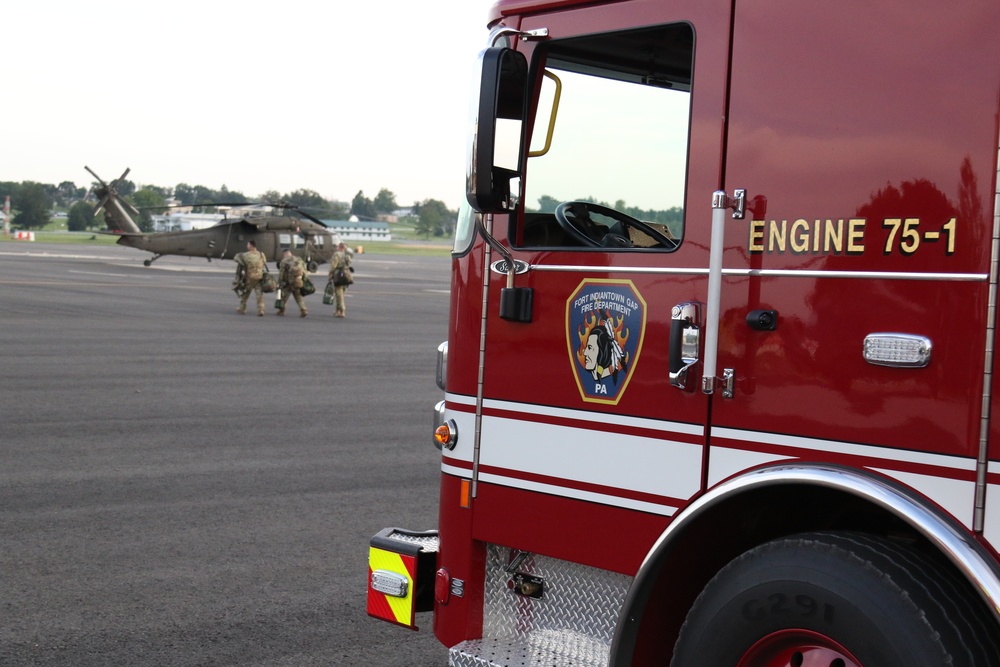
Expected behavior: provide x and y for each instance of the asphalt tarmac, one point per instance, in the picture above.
(183, 485)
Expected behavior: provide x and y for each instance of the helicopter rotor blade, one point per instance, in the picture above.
(113, 191)
(99, 179)
(101, 204)
(216, 204)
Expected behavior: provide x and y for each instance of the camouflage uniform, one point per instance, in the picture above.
(341, 260)
(249, 271)
(291, 273)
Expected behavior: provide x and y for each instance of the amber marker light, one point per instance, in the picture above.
(446, 435)
(465, 493)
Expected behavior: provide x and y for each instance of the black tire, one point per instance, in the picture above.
(838, 600)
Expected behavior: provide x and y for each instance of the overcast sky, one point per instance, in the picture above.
(334, 97)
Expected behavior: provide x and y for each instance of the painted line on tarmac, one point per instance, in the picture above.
(28, 253)
(97, 273)
(116, 260)
(64, 283)
(180, 269)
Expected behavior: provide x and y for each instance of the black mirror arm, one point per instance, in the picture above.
(525, 35)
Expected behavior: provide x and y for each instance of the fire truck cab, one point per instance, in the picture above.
(720, 375)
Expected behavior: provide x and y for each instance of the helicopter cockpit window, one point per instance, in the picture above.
(607, 162)
(290, 241)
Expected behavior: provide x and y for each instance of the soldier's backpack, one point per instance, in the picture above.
(342, 277)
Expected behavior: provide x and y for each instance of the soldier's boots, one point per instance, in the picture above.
(281, 311)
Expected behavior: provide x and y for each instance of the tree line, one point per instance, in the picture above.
(33, 204)
(672, 217)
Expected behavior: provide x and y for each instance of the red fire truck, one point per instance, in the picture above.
(719, 379)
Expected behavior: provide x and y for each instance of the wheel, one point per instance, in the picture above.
(147, 262)
(574, 218)
(836, 600)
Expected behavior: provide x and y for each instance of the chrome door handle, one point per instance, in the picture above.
(685, 342)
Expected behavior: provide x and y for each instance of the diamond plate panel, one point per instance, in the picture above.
(571, 624)
(541, 649)
(427, 542)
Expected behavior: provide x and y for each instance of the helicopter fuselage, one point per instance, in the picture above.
(311, 242)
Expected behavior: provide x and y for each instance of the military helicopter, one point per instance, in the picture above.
(284, 227)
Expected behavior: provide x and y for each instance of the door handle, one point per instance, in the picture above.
(685, 342)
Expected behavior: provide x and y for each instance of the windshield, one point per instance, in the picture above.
(620, 132)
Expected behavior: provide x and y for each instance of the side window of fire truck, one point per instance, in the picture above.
(611, 134)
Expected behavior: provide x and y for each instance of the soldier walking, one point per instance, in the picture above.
(250, 266)
(291, 276)
(340, 274)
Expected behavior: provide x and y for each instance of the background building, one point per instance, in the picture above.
(357, 230)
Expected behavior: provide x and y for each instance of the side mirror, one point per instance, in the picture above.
(495, 130)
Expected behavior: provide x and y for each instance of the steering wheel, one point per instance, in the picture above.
(574, 218)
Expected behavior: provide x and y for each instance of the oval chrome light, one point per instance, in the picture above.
(897, 349)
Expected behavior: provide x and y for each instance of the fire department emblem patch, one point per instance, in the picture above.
(605, 322)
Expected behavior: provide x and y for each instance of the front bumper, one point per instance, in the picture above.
(401, 573)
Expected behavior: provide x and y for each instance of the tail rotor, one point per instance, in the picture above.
(117, 207)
